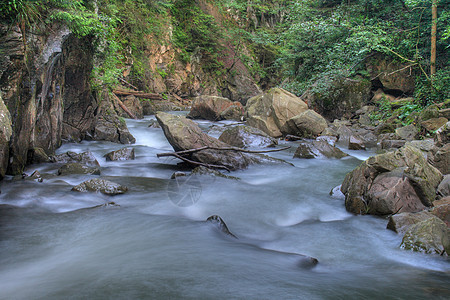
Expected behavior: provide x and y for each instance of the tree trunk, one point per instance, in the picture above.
(433, 37)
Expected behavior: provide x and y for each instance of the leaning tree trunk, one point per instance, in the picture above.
(433, 37)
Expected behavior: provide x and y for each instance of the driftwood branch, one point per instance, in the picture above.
(194, 162)
(125, 109)
(189, 151)
(127, 83)
(151, 96)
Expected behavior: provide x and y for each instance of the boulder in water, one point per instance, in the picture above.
(246, 136)
(77, 168)
(400, 223)
(305, 124)
(86, 158)
(318, 149)
(220, 225)
(122, 154)
(100, 185)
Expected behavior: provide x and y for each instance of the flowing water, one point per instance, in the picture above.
(156, 245)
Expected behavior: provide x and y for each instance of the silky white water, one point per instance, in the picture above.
(156, 245)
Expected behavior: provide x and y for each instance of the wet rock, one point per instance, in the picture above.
(441, 210)
(408, 133)
(429, 236)
(327, 138)
(337, 193)
(306, 124)
(400, 223)
(37, 155)
(425, 145)
(86, 158)
(184, 134)
(100, 185)
(122, 154)
(178, 174)
(154, 124)
(434, 124)
(270, 111)
(5, 137)
(36, 176)
(151, 107)
(443, 189)
(318, 149)
(423, 177)
(245, 136)
(215, 108)
(220, 225)
(77, 168)
(201, 170)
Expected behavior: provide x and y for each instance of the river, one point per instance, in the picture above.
(156, 245)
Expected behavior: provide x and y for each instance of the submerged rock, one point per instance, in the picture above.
(428, 236)
(122, 154)
(246, 136)
(201, 170)
(317, 149)
(100, 185)
(220, 225)
(86, 158)
(77, 168)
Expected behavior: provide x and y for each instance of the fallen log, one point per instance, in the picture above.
(189, 151)
(151, 96)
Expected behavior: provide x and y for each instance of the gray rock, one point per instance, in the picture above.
(389, 144)
(5, 136)
(245, 136)
(441, 210)
(122, 154)
(400, 223)
(408, 133)
(443, 189)
(86, 158)
(306, 124)
(355, 143)
(77, 168)
(327, 138)
(100, 185)
(429, 236)
(215, 108)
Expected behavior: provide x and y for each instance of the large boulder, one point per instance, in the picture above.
(400, 223)
(407, 161)
(306, 124)
(246, 136)
(100, 185)
(337, 97)
(318, 149)
(133, 105)
(270, 111)
(441, 210)
(5, 136)
(215, 108)
(441, 158)
(428, 236)
(185, 134)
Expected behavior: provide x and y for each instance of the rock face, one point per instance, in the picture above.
(245, 136)
(339, 97)
(184, 134)
(100, 185)
(306, 124)
(122, 154)
(5, 136)
(403, 171)
(318, 149)
(215, 108)
(428, 236)
(270, 111)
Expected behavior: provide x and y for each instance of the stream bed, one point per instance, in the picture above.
(157, 245)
